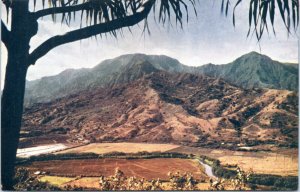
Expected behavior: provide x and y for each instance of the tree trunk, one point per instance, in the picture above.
(14, 87)
(11, 117)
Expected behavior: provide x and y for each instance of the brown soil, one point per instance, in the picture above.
(141, 168)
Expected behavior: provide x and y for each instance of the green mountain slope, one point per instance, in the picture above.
(248, 71)
(256, 70)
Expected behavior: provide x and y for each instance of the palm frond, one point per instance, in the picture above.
(105, 10)
(101, 11)
(262, 13)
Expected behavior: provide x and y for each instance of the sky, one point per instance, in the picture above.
(208, 38)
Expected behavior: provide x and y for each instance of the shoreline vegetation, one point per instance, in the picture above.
(273, 181)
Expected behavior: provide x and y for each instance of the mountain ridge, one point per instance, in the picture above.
(114, 71)
(255, 70)
(164, 107)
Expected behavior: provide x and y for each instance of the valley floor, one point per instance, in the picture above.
(63, 172)
(282, 162)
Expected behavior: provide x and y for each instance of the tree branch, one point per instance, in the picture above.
(56, 10)
(90, 31)
(5, 34)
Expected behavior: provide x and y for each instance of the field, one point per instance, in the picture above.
(141, 168)
(270, 164)
(56, 180)
(283, 163)
(86, 172)
(100, 148)
(88, 182)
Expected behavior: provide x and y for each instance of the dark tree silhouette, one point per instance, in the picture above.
(101, 16)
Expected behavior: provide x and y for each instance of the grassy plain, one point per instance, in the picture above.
(100, 148)
(270, 164)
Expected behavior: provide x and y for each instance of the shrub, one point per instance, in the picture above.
(281, 183)
(23, 181)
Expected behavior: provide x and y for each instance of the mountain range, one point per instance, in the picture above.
(164, 107)
(142, 98)
(252, 70)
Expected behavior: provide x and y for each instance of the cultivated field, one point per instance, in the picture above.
(100, 148)
(269, 164)
(283, 163)
(140, 168)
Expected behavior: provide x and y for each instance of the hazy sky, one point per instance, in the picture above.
(208, 38)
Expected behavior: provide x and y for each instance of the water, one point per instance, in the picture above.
(208, 170)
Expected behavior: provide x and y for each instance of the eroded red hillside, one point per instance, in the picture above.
(167, 108)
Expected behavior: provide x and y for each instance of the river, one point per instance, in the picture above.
(208, 170)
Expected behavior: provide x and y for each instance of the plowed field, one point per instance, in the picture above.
(141, 168)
